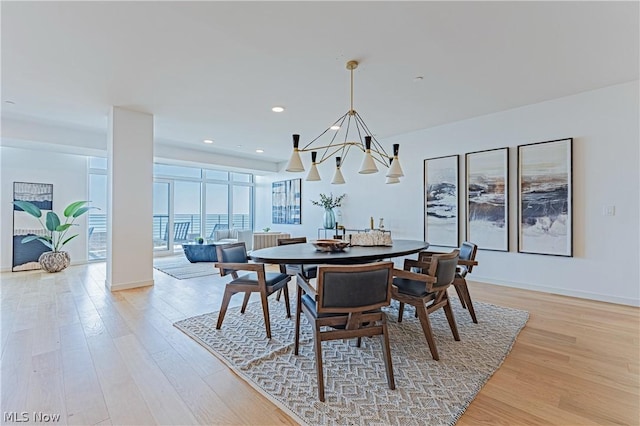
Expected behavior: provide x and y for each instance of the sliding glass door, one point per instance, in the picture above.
(188, 202)
(186, 211)
(217, 208)
(162, 217)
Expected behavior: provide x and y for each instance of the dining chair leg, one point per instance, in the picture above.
(285, 290)
(278, 295)
(452, 321)
(318, 349)
(386, 349)
(426, 328)
(400, 311)
(461, 296)
(467, 297)
(245, 301)
(296, 344)
(265, 311)
(223, 308)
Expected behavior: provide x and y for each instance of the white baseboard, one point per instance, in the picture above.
(560, 291)
(127, 286)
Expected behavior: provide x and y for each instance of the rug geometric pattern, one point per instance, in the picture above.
(427, 392)
(182, 269)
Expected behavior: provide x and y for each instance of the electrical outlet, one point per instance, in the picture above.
(608, 211)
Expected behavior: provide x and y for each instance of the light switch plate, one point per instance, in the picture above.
(609, 210)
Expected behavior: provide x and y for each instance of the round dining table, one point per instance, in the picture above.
(306, 253)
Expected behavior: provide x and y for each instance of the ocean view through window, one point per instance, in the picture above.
(190, 199)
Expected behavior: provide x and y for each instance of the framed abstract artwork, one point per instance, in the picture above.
(487, 204)
(25, 256)
(286, 202)
(441, 201)
(545, 210)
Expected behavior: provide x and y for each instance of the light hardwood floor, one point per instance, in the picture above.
(95, 357)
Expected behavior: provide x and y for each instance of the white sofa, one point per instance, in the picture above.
(225, 236)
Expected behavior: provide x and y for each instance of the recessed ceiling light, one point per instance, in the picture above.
(207, 141)
(260, 151)
(418, 79)
(277, 109)
(335, 127)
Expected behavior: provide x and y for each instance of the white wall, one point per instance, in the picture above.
(67, 173)
(605, 126)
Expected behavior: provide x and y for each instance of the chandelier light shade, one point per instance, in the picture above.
(313, 171)
(295, 163)
(392, 180)
(395, 170)
(368, 164)
(338, 179)
(347, 132)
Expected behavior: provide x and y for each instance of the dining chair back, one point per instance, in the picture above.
(233, 258)
(345, 303)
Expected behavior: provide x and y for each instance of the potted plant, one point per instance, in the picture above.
(199, 240)
(56, 232)
(328, 202)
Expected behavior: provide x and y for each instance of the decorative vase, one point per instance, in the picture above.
(54, 261)
(328, 219)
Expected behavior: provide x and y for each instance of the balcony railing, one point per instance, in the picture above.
(98, 229)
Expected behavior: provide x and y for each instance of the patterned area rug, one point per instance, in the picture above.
(427, 391)
(182, 269)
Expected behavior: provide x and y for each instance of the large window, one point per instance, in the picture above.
(217, 207)
(161, 209)
(188, 202)
(97, 219)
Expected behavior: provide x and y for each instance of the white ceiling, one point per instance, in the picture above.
(215, 69)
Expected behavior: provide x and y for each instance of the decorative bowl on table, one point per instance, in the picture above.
(330, 245)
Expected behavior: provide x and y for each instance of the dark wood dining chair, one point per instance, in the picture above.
(426, 290)
(345, 303)
(466, 262)
(308, 271)
(233, 258)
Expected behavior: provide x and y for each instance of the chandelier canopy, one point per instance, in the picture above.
(346, 132)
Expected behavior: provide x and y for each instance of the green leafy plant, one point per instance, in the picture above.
(266, 229)
(328, 202)
(200, 240)
(56, 231)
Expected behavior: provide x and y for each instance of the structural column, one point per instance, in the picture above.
(129, 200)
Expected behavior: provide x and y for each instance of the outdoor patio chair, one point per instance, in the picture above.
(180, 232)
(217, 227)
